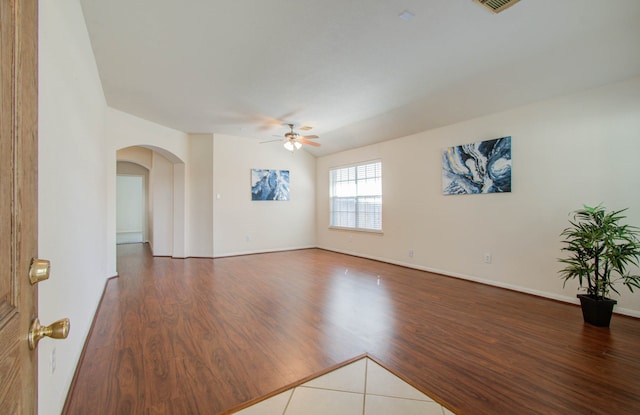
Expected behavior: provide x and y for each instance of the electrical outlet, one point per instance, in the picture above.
(487, 258)
(410, 253)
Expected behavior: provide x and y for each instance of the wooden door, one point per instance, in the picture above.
(18, 202)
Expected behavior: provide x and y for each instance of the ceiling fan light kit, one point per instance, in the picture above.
(294, 141)
(292, 145)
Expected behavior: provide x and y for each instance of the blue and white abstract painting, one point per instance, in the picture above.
(269, 184)
(482, 167)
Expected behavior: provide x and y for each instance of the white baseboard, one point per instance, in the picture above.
(512, 287)
(262, 251)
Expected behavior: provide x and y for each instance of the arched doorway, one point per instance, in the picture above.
(132, 225)
(165, 198)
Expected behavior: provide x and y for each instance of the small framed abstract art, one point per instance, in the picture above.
(482, 167)
(269, 184)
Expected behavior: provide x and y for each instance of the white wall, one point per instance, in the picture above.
(180, 211)
(191, 221)
(161, 197)
(135, 155)
(130, 205)
(200, 173)
(138, 160)
(136, 169)
(71, 189)
(124, 131)
(570, 151)
(244, 226)
(130, 208)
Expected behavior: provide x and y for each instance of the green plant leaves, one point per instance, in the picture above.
(600, 249)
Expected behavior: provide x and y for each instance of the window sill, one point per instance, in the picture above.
(339, 228)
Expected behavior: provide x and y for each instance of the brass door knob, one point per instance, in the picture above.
(57, 330)
(39, 270)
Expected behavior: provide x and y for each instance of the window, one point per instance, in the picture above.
(356, 196)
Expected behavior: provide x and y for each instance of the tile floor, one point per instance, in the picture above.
(360, 388)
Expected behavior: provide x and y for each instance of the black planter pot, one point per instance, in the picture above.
(596, 312)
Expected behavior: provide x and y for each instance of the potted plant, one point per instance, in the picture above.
(600, 249)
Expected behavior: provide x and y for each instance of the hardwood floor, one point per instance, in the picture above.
(202, 336)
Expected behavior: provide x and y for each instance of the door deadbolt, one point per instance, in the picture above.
(57, 330)
(39, 270)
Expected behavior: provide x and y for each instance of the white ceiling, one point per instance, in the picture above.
(352, 69)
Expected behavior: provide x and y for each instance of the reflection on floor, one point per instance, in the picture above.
(362, 387)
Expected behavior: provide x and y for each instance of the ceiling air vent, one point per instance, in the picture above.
(496, 6)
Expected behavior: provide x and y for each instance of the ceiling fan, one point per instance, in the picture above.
(294, 141)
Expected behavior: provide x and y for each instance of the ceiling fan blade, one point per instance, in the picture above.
(270, 141)
(306, 137)
(273, 122)
(311, 143)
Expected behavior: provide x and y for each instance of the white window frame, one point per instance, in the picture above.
(355, 188)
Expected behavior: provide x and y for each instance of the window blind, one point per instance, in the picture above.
(356, 196)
